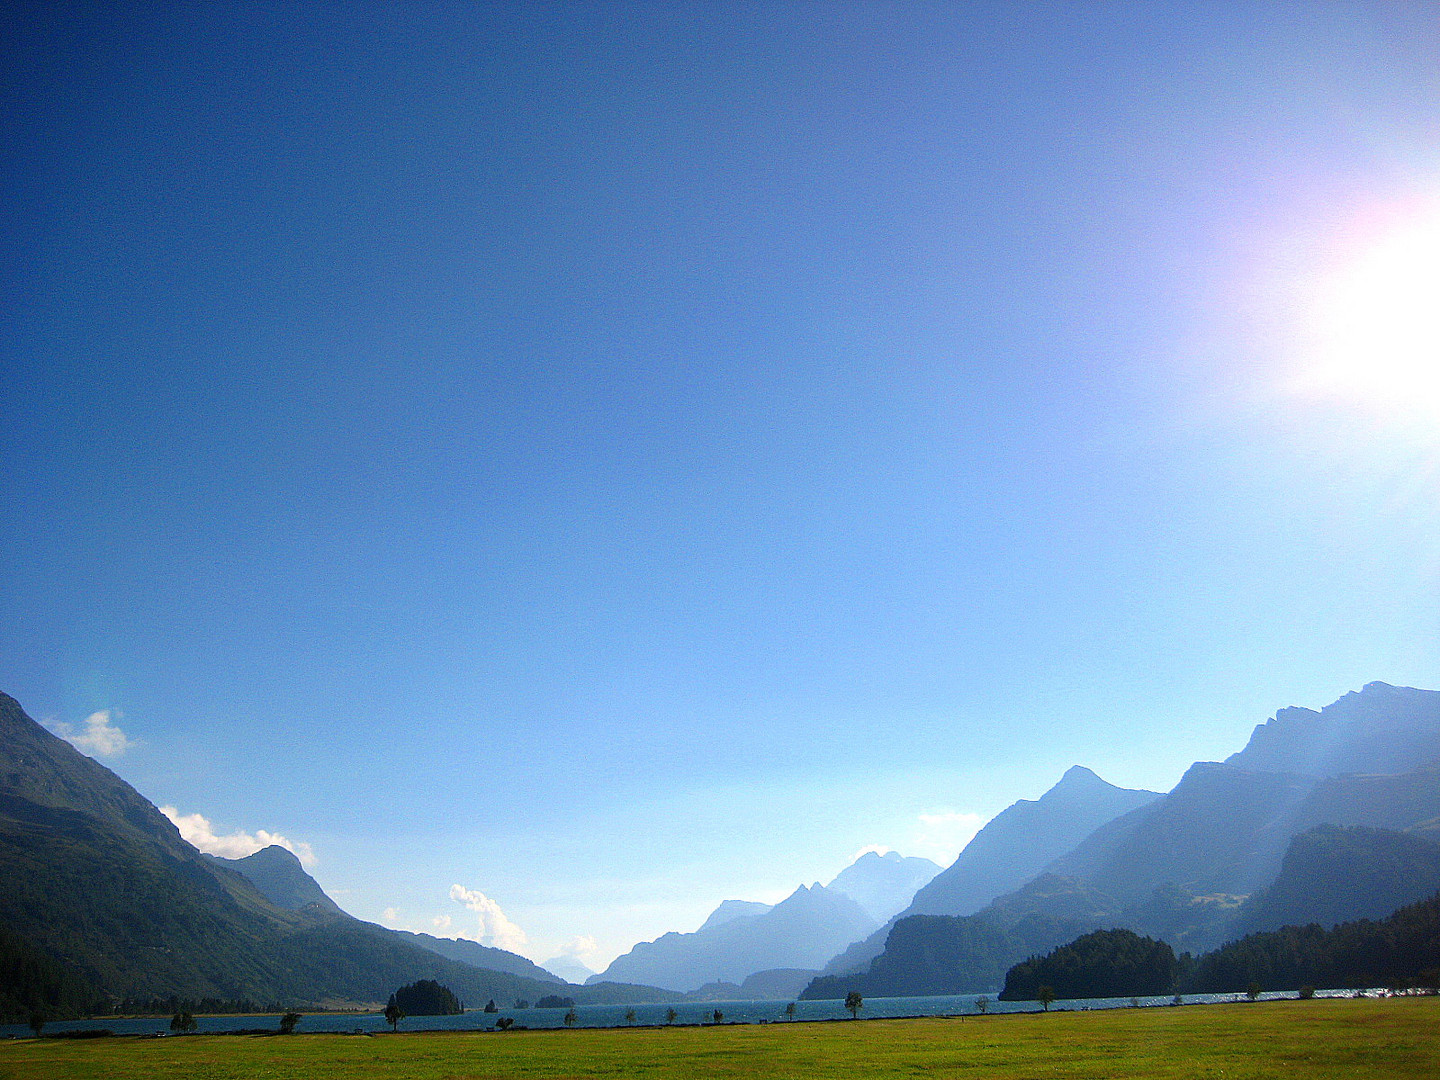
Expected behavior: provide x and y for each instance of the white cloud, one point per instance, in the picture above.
(441, 923)
(579, 945)
(98, 736)
(495, 927)
(197, 830)
(942, 834)
(390, 915)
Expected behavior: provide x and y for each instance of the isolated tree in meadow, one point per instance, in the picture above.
(630, 1016)
(854, 1002)
(1253, 990)
(571, 1018)
(504, 1023)
(670, 1015)
(182, 1022)
(718, 1016)
(393, 1014)
(790, 1011)
(1046, 994)
(982, 1005)
(288, 1022)
(37, 1021)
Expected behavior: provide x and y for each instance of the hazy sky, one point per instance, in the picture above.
(616, 457)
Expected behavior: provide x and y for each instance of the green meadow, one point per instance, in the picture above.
(1316, 1040)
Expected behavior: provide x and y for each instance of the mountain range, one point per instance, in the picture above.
(1194, 867)
(1324, 816)
(802, 931)
(743, 939)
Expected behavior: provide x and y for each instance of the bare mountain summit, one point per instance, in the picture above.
(1023, 839)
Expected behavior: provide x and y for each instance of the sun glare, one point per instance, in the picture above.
(1373, 334)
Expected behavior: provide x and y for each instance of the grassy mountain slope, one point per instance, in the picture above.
(99, 880)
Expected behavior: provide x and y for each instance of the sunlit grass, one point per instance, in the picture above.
(1313, 1039)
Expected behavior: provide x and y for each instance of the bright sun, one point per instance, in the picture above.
(1374, 324)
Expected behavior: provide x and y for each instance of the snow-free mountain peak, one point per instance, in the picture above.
(1377, 729)
(1022, 839)
(884, 884)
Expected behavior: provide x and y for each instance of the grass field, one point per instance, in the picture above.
(1316, 1040)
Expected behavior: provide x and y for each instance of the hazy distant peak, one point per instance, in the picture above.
(1379, 728)
(883, 884)
(568, 968)
(734, 909)
(874, 858)
(1078, 784)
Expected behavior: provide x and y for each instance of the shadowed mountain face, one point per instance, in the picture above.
(1220, 830)
(1334, 874)
(1226, 826)
(476, 955)
(99, 880)
(1018, 843)
(802, 931)
(1023, 839)
(281, 879)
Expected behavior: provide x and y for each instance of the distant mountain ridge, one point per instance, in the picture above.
(473, 953)
(1378, 729)
(884, 884)
(802, 931)
(734, 909)
(567, 969)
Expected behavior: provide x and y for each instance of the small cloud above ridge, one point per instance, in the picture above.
(97, 736)
(197, 830)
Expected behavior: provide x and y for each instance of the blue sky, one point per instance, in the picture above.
(614, 458)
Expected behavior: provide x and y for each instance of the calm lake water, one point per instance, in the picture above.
(742, 1012)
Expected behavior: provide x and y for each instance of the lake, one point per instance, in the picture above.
(743, 1012)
